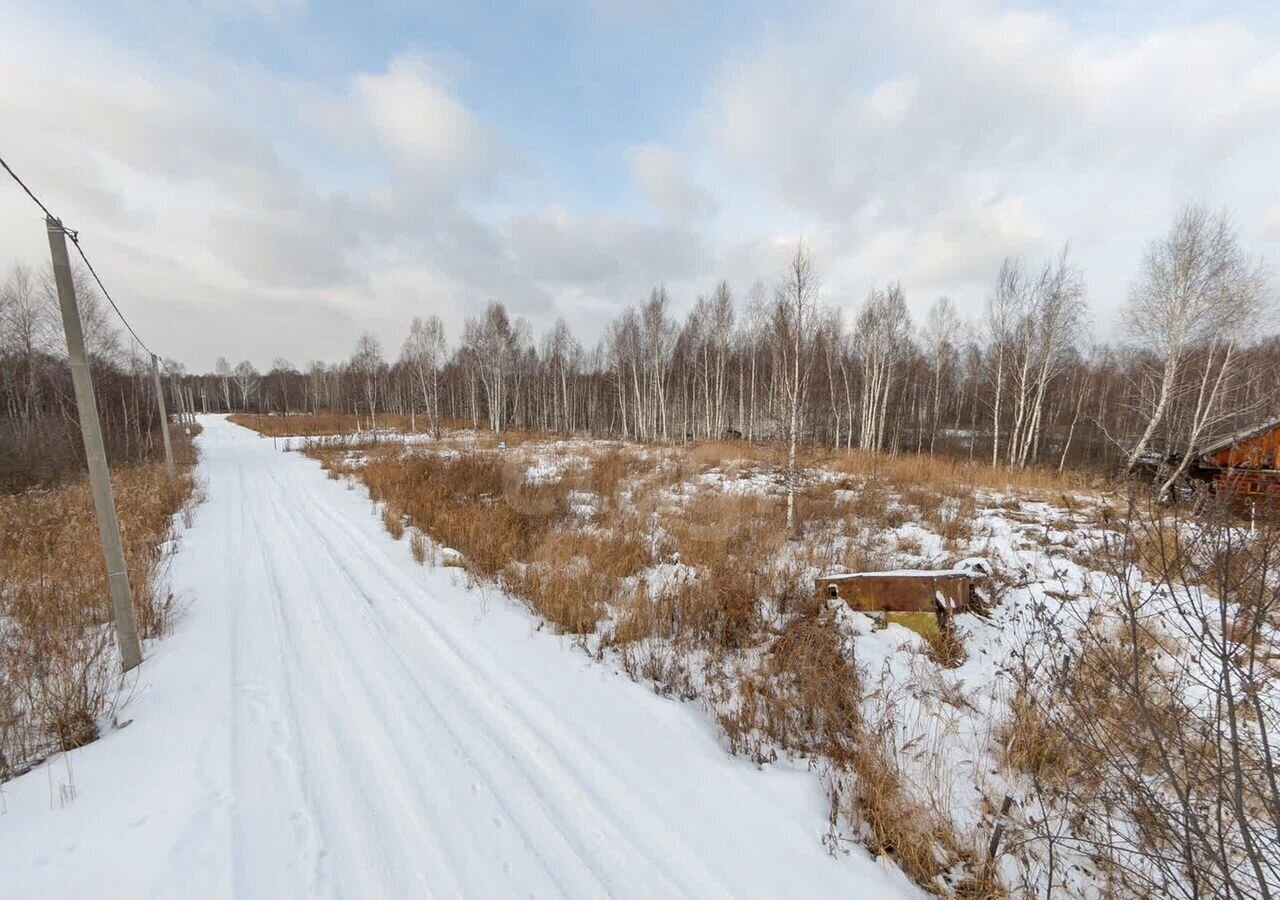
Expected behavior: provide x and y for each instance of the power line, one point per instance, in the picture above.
(14, 176)
(75, 239)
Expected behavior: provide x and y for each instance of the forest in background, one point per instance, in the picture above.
(1022, 384)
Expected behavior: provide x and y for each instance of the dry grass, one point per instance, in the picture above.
(806, 697)
(946, 646)
(1041, 735)
(314, 425)
(920, 837)
(59, 668)
(418, 547)
(945, 476)
(717, 454)
(394, 522)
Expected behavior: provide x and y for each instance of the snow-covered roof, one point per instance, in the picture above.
(972, 567)
(902, 573)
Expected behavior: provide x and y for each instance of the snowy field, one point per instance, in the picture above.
(331, 720)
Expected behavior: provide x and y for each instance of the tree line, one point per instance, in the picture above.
(1020, 384)
(40, 440)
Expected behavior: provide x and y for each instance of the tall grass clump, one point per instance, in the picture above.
(59, 666)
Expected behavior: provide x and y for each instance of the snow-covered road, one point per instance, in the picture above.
(332, 720)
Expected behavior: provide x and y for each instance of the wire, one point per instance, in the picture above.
(75, 239)
(14, 176)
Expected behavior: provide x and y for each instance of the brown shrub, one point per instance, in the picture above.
(394, 522)
(418, 547)
(717, 531)
(806, 698)
(59, 668)
(946, 647)
(608, 471)
(720, 608)
(571, 575)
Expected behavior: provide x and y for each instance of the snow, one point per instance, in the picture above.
(332, 720)
(902, 573)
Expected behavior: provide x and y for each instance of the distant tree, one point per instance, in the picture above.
(97, 321)
(940, 331)
(563, 355)
(795, 327)
(282, 375)
(1197, 290)
(882, 336)
(496, 345)
(317, 385)
(1049, 323)
(247, 380)
(222, 369)
(26, 331)
(1004, 313)
(423, 354)
(367, 365)
(657, 341)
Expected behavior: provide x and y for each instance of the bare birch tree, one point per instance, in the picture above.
(367, 365)
(940, 329)
(795, 324)
(882, 333)
(1196, 288)
(222, 369)
(1003, 314)
(247, 380)
(423, 353)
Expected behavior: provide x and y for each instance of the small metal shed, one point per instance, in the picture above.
(943, 592)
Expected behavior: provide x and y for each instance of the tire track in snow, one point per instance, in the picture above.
(351, 754)
(471, 747)
(571, 757)
(255, 824)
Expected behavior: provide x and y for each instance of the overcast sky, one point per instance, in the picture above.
(261, 178)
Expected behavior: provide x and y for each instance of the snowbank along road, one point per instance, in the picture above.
(332, 720)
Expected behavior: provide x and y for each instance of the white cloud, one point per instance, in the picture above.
(658, 172)
(429, 131)
(982, 131)
(244, 213)
(604, 259)
(221, 236)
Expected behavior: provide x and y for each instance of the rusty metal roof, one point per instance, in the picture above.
(900, 573)
(1239, 437)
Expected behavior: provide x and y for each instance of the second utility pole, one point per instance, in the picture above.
(164, 417)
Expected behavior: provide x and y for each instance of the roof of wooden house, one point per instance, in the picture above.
(1227, 442)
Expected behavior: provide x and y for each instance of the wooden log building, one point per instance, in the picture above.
(1243, 467)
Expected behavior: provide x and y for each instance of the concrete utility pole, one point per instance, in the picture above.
(99, 475)
(164, 417)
